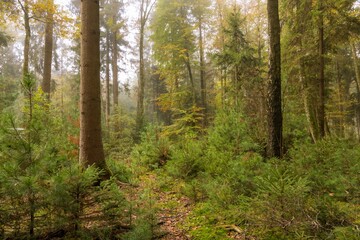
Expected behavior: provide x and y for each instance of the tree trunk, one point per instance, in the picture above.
(202, 73)
(91, 147)
(141, 82)
(321, 111)
(25, 8)
(275, 111)
(107, 80)
(46, 83)
(357, 81)
(115, 69)
(341, 118)
(191, 78)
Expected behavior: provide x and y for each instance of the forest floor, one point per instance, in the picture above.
(170, 208)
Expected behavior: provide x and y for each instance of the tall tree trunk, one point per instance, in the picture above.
(141, 81)
(145, 10)
(219, 6)
(115, 69)
(275, 111)
(340, 120)
(357, 81)
(25, 9)
(91, 147)
(321, 111)
(107, 79)
(46, 83)
(202, 73)
(191, 78)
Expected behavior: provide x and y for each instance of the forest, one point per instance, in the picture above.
(180, 119)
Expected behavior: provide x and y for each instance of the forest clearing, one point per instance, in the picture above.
(180, 119)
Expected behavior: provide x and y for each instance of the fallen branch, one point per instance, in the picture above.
(232, 227)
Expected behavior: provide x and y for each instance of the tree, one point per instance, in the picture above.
(25, 8)
(235, 57)
(145, 10)
(322, 71)
(173, 48)
(91, 147)
(201, 13)
(115, 69)
(275, 107)
(49, 26)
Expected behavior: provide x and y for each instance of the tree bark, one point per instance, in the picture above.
(341, 118)
(107, 80)
(46, 83)
(141, 81)
(115, 68)
(91, 147)
(357, 81)
(25, 9)
(191, 78)
(321, 111)
(275, 111)
(202, 73)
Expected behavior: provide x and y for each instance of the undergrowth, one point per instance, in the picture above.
(313, 193)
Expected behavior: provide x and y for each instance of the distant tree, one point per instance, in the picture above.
(25, 9)
(235, 57)
(201, 10)
(173, 48)
(146, 7)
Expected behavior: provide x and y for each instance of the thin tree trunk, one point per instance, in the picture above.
(275, 111)
(25, 9)
(91, 147)
(202, 73)
(191, 78)
(115, 70)
(141, 82)
(145, 10)
(46, 83)
(321, 111)
(341, 100)
(107, 80)
(219, 5)
(357, 81)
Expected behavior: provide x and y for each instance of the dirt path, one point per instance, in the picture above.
(171, 209)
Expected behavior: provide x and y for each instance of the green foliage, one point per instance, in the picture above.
(153, 151)
(188, 121)
(142, 231)
(112, 201)
(331, 166)
(119, 170)
(186, 158)
(68, 189)
(312, 194)
(280, 205)
(43, 190)
(119, 134)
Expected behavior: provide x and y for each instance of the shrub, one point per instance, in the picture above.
(152, 152)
